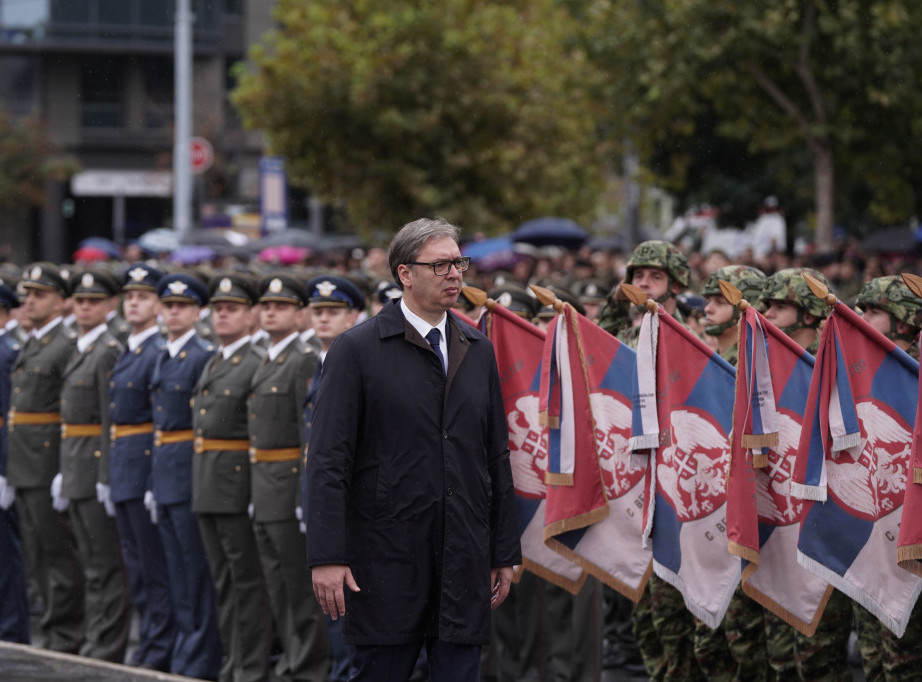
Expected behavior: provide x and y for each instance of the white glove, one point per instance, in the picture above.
(299, 513)
(104, 497)
(59, 503)
(250, 509)
(150, 504)
(7, 494)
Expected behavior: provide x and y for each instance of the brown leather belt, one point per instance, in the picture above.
(170, 437)
(33, 418)
(214, 444)
(80, 430)
(117, 431)
(275, 455)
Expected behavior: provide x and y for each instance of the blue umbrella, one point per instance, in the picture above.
(101, 243)
(551, 232)
(486, 247)
(160, 240)
(192, 254)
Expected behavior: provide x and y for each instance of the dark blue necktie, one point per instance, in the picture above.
(434, 337)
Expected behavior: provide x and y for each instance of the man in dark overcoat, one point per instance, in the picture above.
(221, 481)
(85, 467)
(411, 524)
(131, 434)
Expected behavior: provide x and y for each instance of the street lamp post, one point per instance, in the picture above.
(182, 171)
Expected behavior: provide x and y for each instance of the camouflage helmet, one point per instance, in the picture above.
(788, 285)
(749, 280)
(893, 296)
(663, 255)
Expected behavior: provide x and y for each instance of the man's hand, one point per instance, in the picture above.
(328, 587)
(500, 580)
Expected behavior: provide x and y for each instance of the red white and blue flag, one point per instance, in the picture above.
(518, 346)
(763, 517)
(853, 465)
(683, 403)
(595, 496)
(909, 544)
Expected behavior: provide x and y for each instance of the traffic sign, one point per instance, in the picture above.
(201, 154)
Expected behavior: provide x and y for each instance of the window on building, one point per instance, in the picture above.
(19, 75)
(158, 92)
(102, 82)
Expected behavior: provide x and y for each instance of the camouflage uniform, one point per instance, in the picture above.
(823, 656)
(663, 627)
(737, 648)
(884, 655)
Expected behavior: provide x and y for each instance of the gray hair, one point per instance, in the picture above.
(411, 239)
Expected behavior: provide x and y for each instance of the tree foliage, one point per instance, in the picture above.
(471, 109)
(27, 160)
(830, 81)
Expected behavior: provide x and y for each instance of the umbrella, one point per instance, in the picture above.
(898, 239)
(214, 237)
(192, 254)
(90, 254)
(284, 255)
(341, 242)
(551, 232)
(498, 253)
(160, 240)
(101, 243)
(291, 237)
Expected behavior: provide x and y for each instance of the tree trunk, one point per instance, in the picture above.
(824, 191)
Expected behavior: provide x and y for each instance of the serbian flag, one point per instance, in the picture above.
(683, 404)
(909, 545)
(763, 517)
(853, 463)
(595, 495)
(518, 346)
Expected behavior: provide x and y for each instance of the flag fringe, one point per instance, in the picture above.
(645, 441)
(897, 627)
(551, 478)
(575, 522)
(753, 441)
(638, 460)
(548, 422)
(917, 475)
(632, 593)
(803, 491)
(908, 558)
(759, 461)
(712, 620)
(748, 553)
(571, 586)
(769, 604)
(849, 440)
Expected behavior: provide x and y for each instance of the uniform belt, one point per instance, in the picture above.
(117, 431)
(212, 444)
(275, 455)
(170, 437)
(33, 418)
(80, 430)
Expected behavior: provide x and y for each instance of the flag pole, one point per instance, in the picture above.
(820, 290)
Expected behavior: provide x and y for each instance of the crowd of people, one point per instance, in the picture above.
(166, 426)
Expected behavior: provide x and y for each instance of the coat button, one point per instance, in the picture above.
(238, 468)
(451, 492)
(445, 434)
(202, 411)
(97, 454)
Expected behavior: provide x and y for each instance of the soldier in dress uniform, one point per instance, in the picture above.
(335, 303)
(131, 434)
(34, 439)
(276, 443)
(14, 606)
(221, 481)
(197, 650)
(85, 467)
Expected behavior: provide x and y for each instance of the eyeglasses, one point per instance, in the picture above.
(443, 267)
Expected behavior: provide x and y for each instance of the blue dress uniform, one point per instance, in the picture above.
(14, 606)
(274, 408)
(336, 292)
(131, 433)
(85, 476)
(197, 650)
